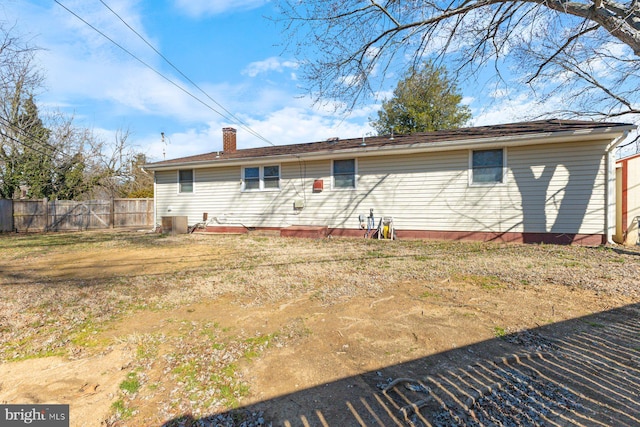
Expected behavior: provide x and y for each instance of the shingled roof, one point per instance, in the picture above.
(493, 132)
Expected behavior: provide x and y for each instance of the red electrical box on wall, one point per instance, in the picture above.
(318, 185)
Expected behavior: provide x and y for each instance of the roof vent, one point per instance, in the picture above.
(333, 139)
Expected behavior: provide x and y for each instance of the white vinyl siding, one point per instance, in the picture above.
(557, 188)
(568, 179)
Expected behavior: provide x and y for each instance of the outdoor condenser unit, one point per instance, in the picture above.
(175, 225)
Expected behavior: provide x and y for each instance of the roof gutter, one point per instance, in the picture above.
(373, 150)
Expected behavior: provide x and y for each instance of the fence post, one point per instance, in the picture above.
(45, 204)
(112, 217)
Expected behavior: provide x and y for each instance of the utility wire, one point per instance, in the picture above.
(139, 60)
(233, 116)
(31, 138)
(158, 72)
(30, 147)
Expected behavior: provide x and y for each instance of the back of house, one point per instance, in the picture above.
(541, 181)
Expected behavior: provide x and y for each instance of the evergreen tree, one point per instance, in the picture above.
(42, 162)
(36, 167)
(424, 100)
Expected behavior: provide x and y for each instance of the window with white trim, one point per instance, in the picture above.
(256, 178)
(344, 173)
(487, 166)
(185, 181)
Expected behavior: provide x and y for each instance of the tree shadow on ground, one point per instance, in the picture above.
(629, 250)
(582, 372)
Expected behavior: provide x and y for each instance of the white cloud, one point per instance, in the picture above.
(74, 28)
(289, 125)
(467, 100)
(81, 65)
(184, 143)
(269, 64)
(196, 8)
(521, 107)
(124, 86)
(106, 89)
(293, 125)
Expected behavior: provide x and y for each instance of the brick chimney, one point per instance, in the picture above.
(228, 140)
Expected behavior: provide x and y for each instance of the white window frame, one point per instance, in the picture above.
(193, 181)
(472, 183)
(261, 178)
(355, 175)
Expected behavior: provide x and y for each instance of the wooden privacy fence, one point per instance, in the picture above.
(67, 215)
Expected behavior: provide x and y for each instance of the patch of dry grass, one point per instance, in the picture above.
(61, 291)
(41, 316)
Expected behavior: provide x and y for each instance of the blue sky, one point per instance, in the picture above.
(230, 49)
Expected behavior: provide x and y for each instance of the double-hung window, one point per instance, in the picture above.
(258, 178)
(487, 166)
(344, 173)
(271, 177)
(185, 181)
(251, 179)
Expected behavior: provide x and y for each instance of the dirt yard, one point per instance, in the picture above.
(137, 329)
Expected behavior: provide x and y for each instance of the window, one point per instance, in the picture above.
(261, 178)
(185, 181)
(487, 166)
(252, 178)
(271, 177)
(344, 173)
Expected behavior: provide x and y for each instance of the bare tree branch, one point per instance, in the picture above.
(386, 12)
(347, 48)
(562, 48)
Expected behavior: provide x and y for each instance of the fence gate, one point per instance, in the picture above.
(65, 215)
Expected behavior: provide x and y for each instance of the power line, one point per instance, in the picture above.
(139, 60)
(32, 148)
(233, 116)
(33, 139)
(229, 117)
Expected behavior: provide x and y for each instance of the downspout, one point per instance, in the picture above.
(610, 189)
(155, 203)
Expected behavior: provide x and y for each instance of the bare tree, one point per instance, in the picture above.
(114, 164)
(45, 153)
(587, 52)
